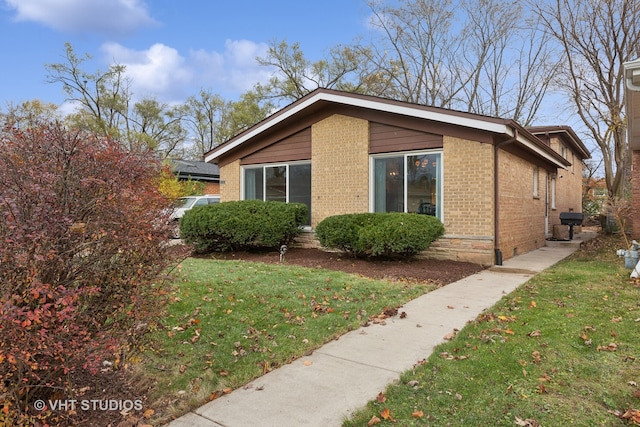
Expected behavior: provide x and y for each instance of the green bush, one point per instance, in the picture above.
(244, 224)
(379, 234)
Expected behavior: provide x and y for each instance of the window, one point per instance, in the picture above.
(536, 192)
(408, 182)
(282, 182)
(553, 193)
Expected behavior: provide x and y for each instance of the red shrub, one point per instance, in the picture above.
(83, 233)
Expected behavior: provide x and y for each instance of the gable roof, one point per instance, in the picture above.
(508, 130)
(567, 135)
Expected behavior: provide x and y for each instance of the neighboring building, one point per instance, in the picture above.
(632, 92)
(207, 173)
(493, 183)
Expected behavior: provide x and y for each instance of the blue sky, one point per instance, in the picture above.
(171, 48)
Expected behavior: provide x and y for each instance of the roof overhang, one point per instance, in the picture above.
(508, 128)
(632, 92)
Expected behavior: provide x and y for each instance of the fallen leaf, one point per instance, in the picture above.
(381, 398)
(536, 356)
(227, 390)
(148, 413)
(533, 304)
(534, 334)
(450, 307)
(386, 414)
(527, 423)
(417, 414)
(373, 421)
(182, 369)
(307, 363)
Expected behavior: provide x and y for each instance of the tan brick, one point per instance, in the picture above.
(340, 167)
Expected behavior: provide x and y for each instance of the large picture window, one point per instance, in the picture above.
(409, 182)
(282, 182)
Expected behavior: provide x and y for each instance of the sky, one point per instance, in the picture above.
(171, 48)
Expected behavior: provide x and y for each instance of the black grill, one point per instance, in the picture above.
(571, 219)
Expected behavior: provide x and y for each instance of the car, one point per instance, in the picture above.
(183, 204)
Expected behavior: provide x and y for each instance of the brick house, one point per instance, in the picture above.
(632, 92)
(496, 186)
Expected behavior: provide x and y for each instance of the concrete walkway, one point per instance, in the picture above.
(325, 388)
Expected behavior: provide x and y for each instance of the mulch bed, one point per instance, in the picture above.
(422, 270)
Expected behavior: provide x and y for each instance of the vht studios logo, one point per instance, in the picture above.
(88, 405)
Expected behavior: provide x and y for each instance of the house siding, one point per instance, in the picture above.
(468, 189)
(521, 215)
(339, 167)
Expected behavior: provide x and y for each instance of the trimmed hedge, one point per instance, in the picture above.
(391, 234)
(244, 224)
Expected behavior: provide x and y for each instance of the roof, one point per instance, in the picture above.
(321, 98)
(567, 134)
(196, 170)
(632, 87)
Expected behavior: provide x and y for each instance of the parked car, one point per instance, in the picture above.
(183, 204)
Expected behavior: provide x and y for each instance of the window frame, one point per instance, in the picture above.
(405, 154)
(263, 167)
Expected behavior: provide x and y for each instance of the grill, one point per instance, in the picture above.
(571, 219)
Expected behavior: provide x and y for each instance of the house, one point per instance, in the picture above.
(632, 92)
(207, 173)
(497, 187)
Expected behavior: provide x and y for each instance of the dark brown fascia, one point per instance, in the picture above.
(567, 134)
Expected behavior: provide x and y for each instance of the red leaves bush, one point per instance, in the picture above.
(83, 231)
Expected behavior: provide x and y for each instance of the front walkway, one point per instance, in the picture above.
(326, 387)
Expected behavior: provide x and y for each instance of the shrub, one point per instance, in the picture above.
(242, 224)
(379, 234)
(83, 239)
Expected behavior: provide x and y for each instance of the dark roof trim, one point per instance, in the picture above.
(569, 136)
(467, 120)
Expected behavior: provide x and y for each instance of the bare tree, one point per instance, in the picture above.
(478, 56)
(295, 75)
(597, 37)
(414, 49)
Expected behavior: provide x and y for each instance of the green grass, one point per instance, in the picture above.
(564, 349)
(229, 322)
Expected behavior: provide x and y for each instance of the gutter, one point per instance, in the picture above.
(496, 198)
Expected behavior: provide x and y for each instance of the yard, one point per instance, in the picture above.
(561, 350)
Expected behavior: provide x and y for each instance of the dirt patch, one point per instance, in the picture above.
(422, 270)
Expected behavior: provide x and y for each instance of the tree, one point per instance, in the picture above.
(103, 97)
(156, 126)
(106, 107)
(476, 56)
(296, 75)
(29, 114)
(83, 228)
(213, 120)
(596, 38)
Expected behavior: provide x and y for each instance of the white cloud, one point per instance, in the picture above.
(164, 73)
(110, 17)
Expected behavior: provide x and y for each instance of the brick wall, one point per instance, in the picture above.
(340, 167)
(635, 186)
(568, 187)
(521, 215)
(230, 182)
(468, 188)
(212, 188)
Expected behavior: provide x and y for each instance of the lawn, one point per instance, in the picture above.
(564, 349)
(229, 322)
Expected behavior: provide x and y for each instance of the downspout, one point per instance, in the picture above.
(496, 204)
